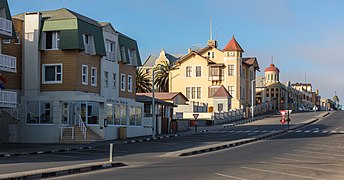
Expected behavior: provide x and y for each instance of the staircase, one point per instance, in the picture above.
(78, 136)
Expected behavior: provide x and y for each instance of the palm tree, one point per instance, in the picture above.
(162, 72)
(143, 83)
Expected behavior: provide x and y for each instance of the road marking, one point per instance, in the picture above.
(320, 153)
(298, 131)
(247, 131)
(264, 131)
(324, 131)
(281, 173)
(297, 160)
(317, 169)
(239, 131)
(307, 131)
(316, 157)
(315, 131)
(224, 175)
(333, 132)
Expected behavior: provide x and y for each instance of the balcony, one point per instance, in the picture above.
(110, 55)
(5, 27)
(8, 99)
(215, 78)
(8, 63)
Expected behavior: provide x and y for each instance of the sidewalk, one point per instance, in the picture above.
(20, 149)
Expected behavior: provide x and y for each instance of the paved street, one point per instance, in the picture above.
(307, 154)
(146, 153)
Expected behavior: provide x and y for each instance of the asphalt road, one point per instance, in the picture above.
(315, 152)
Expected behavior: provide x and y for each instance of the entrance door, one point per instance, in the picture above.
(12, 133)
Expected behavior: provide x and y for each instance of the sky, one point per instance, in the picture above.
(305, 37)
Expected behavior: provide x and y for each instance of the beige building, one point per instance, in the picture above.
(200, 74)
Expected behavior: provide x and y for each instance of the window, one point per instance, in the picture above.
(110, 50)
(6, 41)
(199, 95)
(188, 90)
(198, 71)
(106, 79)
(17, 40)
(231, 70)
(188, 71)
(193, 93)
(220, 107)
(124, 58)
(84, 75)
(93, 76)
(114, 80)
(52, 39)
(122, 82)
(131, 55)
(39, 113)
(135, 115)
(231, 90)
(130, 83)
(87, 42)
(52, 73)
(211, 55)
(212, 90)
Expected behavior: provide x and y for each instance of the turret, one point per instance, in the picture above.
(272, 74)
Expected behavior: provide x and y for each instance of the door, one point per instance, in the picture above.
(12, 133)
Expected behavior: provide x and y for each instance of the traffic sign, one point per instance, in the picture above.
(288, 120)
(195, 116)
(283, 112)
(283, 121)
(315, 108)
(290, 111)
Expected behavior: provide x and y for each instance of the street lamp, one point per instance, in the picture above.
(252, 105)
(153, 104)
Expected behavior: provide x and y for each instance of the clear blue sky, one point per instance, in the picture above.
(302, 35)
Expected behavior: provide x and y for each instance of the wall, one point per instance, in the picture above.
(127, 70)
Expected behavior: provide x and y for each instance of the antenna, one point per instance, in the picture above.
(211, 29)
(305, 77)
(216, 35)
(272, 59)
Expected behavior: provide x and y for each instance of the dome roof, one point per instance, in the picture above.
(272, 68)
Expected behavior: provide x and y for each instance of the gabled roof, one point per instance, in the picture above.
(251, 61)
(222, 92)
(150, 61)
(165, 95)
(233, 45)
(148, 100)
(192, 53)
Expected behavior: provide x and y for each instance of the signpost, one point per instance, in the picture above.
(283, 120)
(195, 117)
(315, 108)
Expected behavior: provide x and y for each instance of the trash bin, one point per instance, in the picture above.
(122, 133)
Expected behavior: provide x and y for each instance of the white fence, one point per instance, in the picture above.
(5, 26)
(8, 99)
(225, 117)
(8, 63)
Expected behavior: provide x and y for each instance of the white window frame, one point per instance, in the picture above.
(123, 78)
(84, 74)
(106, 79)
(130, 83)
(55, 40)
(196, 71)
(114, 77)
(88, 44)
(186, 71)
(56, 74)
(6, 41)
(199, 97)
(18, 38)
(110, 50)
(93, 76)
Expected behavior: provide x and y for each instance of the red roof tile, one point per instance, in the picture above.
(272, 68)
(233, 45)
(222, 92)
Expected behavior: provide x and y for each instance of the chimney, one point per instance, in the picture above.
(189, 50)
(212, 43)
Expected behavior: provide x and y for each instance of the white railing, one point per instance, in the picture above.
(8, 99)
(83, 127)
(5, 26)
(8, 63)
(62, 130)
(13, 112)
(110, 55)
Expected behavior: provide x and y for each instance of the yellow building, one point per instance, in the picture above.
(200, 74)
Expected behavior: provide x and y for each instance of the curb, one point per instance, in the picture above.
(45, 152)
(249, 140)
(243, 122)
(150, 139)
(52, 172)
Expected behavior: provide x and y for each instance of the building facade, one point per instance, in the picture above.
(200, 74)
(75, 72)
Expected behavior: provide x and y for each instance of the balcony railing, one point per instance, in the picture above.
(8, 99)
(215, 78)
(5, 26)
(8, 63)
(110, 55)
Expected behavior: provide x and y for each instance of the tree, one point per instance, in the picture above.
(143, 83)
(162, 72)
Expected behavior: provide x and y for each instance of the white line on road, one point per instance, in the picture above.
(298, 131)
(305, 156)
(324, 131)
(297, 160)
(304, 167)
(328, 154)
(281, 173)
(228, 176)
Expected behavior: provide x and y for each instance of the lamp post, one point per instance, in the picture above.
(153, 104)
(252, 104)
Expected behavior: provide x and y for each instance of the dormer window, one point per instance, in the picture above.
(52, 39)
(110, 50)
(88, 39)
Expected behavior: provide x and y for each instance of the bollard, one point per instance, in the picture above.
(111, 152)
